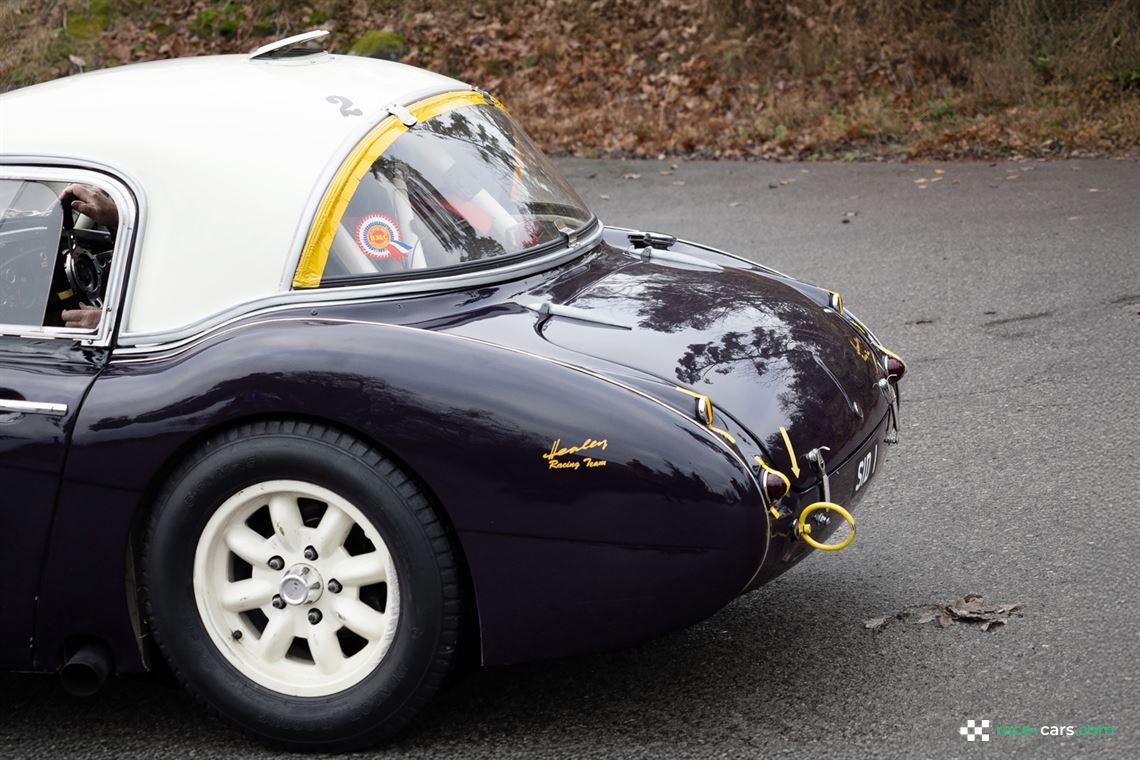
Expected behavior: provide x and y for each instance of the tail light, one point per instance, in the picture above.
(895, 369)
(775, 486)
(893, 364)
(775, 483)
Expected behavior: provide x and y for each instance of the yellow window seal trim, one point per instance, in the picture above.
(435, 105)
(315, 254)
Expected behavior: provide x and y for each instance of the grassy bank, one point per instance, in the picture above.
(807, 79)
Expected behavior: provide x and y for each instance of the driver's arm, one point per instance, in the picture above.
(91, 202)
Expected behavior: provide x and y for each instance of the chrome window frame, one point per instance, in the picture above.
(125, 196)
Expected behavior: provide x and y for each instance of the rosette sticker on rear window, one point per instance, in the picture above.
(379, 238)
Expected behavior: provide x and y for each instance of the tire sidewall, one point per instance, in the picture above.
(175, 529)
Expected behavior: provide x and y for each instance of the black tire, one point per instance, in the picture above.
(424, 646)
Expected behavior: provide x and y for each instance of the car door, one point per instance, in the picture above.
(45, 372)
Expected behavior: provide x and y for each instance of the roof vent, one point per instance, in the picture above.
(297, 46)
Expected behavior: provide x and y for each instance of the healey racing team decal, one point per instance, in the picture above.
(555, 457)
(379, 238)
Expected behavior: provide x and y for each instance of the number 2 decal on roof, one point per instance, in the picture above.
(346, 108)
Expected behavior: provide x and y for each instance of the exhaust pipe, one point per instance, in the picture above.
(85, 671)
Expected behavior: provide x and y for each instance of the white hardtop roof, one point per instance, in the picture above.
(231, 155)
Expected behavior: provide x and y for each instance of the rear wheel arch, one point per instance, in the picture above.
(264, 695)
(471, 639)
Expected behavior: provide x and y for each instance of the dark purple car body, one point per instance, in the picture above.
(484, 394)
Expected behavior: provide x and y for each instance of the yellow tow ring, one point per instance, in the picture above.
(803, 530)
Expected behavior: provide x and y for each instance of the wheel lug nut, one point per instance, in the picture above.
(276, 563)
(278, 602)
(310, 553)
(314, 616)
(334, 586)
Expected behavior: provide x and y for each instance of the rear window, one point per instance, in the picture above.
(464, 187)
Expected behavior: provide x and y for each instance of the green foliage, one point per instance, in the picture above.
(87, 21)
(1125, 79)
(940, 110)
(380, 44)
(223, 20)
(1045, 66)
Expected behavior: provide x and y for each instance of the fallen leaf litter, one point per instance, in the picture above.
(971, 608)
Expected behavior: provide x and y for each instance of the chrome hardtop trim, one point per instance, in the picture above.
(356, 294)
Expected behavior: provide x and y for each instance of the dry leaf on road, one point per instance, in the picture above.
(971, 608)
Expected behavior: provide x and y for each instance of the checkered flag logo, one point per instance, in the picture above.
(974, 729)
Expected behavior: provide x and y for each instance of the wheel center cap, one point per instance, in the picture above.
(302, 584)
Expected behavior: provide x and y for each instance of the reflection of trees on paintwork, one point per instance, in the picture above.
(733, 325)
(722, 356)
(673, 299)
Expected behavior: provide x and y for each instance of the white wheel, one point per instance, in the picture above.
(301, 584)
(296, 588)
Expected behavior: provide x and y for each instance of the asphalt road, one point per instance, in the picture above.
(1014, 291)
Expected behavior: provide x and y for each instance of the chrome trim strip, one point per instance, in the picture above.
(859, 323)
(33, 407)
(550, 309)
(655, 255)
(118, 359)
(356, 293)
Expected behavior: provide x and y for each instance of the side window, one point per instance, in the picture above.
(56, 241)
(31, 221)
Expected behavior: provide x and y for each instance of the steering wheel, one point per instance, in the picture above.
(86, 271)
